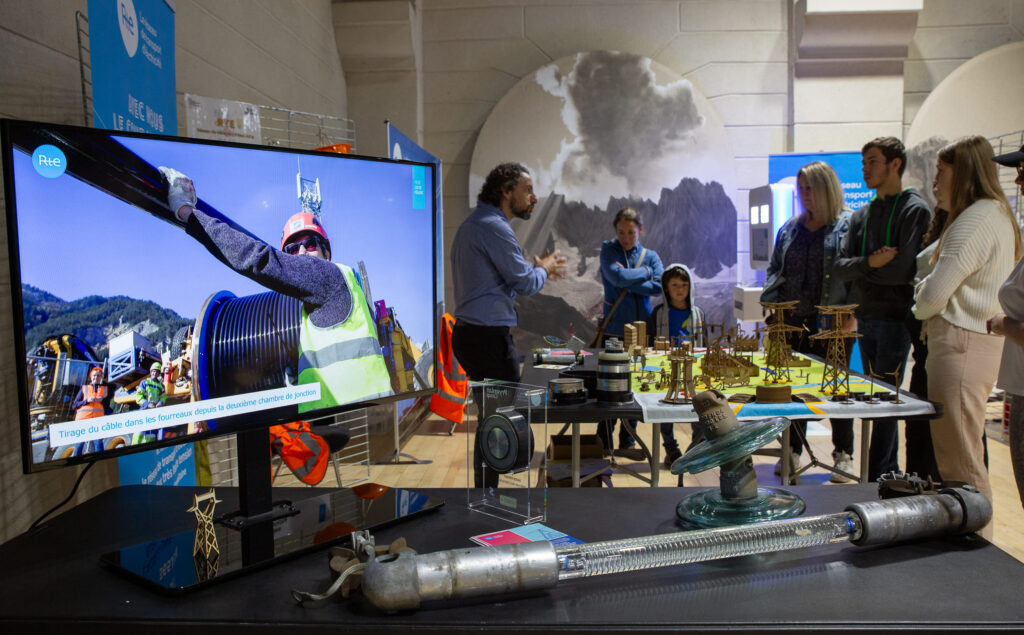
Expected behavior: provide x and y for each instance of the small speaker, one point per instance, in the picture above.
(504, 441)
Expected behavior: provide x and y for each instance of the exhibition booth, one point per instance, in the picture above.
(260, 288)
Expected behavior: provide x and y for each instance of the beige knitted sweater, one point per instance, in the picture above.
(976, 256)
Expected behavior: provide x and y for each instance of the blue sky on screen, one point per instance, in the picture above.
(76, 241)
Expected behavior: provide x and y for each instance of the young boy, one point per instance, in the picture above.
(677, 317)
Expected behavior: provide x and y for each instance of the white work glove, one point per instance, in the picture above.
(180, 193)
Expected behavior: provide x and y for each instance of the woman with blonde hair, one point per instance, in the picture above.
(960, 278)
(801, 268)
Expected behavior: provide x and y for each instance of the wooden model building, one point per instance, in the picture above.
(724, 368)
(835, 379)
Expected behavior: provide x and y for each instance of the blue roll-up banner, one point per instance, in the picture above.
(402, 147)
(131, 52)
(846, 164)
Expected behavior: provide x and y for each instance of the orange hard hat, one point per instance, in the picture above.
(303, 222)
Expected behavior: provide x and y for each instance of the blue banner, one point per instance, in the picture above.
(846, 164)
(402, 147)
(131, 52)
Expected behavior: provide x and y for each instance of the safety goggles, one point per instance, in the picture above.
(309, 242)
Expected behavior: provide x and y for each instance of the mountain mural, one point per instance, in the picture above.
(693, 223)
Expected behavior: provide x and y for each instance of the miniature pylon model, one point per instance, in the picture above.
(777, 350)
(680, 384)
(205, 545)
(835, 378)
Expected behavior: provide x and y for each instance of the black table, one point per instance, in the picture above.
(53, 582)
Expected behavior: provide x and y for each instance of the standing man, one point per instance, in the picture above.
(151, 392)
(338, 345)
(878, 255)
(488, 271)
(93, 399)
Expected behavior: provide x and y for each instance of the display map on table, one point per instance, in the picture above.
(810, 402)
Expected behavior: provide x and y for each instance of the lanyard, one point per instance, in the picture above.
(888, 227)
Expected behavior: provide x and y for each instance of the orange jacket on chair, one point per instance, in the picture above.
(450, 399)
(306, 454)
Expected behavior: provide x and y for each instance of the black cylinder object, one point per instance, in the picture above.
(504, 441)
(613, 375)
(246, 344)
(567, 390)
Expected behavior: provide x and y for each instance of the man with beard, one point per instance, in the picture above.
(488, 271)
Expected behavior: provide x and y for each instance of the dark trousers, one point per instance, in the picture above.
(606, 428)
(920, 454)
(485, 352)
(883, 351)
(842, 429)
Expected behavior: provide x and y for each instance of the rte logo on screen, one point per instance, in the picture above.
(128, 22)
(49, 161)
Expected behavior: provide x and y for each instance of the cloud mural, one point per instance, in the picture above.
(599, 131)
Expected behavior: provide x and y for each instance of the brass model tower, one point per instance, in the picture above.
(777, 349)
(835, 379)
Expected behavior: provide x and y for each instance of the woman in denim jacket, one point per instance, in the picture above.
(801, 268)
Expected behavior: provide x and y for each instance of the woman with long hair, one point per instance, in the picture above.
(960, 278)
(801, 268)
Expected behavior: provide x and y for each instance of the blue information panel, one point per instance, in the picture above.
(846, 164)
(131, 51)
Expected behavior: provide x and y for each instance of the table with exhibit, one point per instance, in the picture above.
(809, 403)
(55, 580)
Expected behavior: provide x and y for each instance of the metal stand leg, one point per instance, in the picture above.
(865, 447)
(576, 454)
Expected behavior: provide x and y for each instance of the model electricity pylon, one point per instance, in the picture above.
(206, 539)
(777, 349)
(835, 378)
(680, 384)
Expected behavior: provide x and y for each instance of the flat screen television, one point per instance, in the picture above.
(208, 327)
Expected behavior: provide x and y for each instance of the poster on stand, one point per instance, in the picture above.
(222, 119)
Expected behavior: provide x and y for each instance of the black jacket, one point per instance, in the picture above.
(898, 221)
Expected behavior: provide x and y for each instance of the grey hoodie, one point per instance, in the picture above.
(657, 323)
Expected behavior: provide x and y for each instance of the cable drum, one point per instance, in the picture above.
(246, 344)
(613, 375)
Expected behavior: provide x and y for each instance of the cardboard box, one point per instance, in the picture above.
(559, 473)
(560, 447)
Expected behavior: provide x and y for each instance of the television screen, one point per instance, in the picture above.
(299, 284)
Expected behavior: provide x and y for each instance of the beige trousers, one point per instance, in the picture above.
(962, 368)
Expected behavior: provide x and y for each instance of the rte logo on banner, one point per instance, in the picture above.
(128, 21)
(49, 161)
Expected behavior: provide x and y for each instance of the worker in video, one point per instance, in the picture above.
(93, 399)
(338, 346)
(151, 392)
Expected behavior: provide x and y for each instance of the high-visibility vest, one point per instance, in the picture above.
(450, 399)
(306, 454)
(92, 410)
(344, 359)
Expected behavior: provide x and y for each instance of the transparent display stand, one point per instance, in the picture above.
(503, 453)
